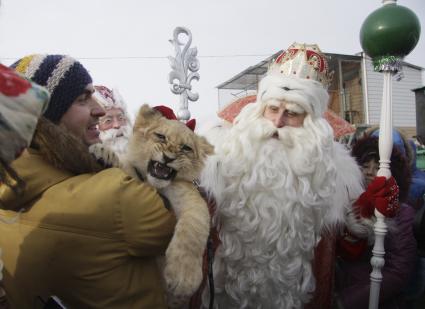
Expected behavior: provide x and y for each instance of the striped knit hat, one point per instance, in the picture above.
(64, 77)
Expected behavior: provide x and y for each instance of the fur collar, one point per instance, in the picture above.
(63, 150)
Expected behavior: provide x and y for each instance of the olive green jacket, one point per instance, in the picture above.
(90, 239)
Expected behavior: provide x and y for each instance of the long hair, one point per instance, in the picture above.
(367, 148)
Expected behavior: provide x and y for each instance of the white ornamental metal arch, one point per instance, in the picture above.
(185, 66)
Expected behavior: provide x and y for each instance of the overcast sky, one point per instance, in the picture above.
(124, 43)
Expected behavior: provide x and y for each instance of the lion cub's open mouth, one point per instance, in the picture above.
(161, 171)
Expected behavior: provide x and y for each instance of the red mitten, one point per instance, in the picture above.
(366, 201)
(387, 203)
(382, 194)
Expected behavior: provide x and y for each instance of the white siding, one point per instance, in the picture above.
(404, 107)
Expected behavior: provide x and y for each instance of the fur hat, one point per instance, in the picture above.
(299, 75)
(64, 77)
(110, 99)
(367, 148)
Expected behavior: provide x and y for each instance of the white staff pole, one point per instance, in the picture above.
(387, 35)
(380, 227)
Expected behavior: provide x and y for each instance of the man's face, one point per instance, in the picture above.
(82, 117)
(282, 114)
(113, 119)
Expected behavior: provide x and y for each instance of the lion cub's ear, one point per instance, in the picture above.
(145, 117)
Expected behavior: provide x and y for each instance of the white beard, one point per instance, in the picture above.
(272, 196)
(112, 139)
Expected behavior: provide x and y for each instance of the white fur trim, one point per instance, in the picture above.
(309, 94)
(216, 131)
(348, 185)
(295, 108)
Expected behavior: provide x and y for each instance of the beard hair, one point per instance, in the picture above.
(309, 150)
(270, 212)
(112, 139)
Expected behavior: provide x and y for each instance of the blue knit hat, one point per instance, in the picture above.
(64, 77)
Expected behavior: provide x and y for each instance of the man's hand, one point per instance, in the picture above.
(382, 194)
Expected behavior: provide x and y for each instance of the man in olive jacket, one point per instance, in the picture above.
(85, 234)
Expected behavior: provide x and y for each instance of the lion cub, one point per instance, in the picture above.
(170, 156)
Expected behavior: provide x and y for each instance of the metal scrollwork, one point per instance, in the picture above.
(184, 70)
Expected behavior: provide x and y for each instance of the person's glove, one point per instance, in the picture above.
(382, 194)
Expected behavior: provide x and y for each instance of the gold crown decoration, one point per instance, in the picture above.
(304, 61)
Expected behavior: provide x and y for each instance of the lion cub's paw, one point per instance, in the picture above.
(182, 273)
(104, 155)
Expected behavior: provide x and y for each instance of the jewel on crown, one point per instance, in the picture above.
(303, 61)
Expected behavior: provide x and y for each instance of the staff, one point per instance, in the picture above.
(387, 35)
